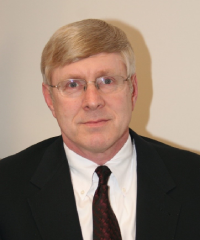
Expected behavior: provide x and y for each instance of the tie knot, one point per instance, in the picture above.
(103, 173)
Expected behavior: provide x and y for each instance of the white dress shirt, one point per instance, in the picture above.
(122, 189)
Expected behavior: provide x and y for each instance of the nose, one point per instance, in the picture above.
(92, 98)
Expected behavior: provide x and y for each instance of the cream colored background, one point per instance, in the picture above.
(166, 39)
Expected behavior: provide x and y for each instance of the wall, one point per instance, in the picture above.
(165, 36)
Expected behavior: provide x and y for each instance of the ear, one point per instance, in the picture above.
(135, 90)
(48, 98)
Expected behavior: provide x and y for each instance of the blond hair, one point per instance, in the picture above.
(82, 39)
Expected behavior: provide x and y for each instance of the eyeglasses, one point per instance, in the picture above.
(74, 87)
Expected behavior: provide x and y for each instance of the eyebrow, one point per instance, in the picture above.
(104, 72)
(99, 73)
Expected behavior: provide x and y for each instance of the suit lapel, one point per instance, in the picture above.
(157, 214)
(53, 206)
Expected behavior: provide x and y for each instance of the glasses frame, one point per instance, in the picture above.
(85, 85)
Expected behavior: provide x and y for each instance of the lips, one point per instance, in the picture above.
(99, 122)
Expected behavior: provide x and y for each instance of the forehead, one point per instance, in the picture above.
(92, 67)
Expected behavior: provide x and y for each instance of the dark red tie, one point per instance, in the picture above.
(105, 225)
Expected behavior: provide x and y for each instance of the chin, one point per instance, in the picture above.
(99, 144)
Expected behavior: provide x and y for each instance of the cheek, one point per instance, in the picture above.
(66, 109)
(122, 106)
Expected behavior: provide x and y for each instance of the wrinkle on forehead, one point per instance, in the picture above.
(99, 65)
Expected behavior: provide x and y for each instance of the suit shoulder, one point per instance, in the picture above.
(17, 170)
(29, 154)
(168, 150)
(164, 150)
(181, 164)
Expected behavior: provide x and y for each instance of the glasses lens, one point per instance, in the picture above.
(71, 86)
(108, 84)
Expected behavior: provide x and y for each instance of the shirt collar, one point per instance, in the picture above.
(81, 170)
(121, 166)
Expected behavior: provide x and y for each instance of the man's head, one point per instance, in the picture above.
(82, 39)
(90, 87)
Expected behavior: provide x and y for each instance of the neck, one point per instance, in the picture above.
(102, 156)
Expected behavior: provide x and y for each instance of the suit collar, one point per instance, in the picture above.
(151, 163)
(156, 213)
(53, 206)
(51, 161)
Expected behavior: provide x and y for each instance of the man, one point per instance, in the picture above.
(52, 191)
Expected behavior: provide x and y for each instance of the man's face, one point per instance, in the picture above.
(93, 123)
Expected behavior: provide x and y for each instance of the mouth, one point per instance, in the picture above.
(96, 123)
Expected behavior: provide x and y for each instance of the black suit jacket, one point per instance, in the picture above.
(37, 200)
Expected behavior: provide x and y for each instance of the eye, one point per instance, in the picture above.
(72, 85)
(107, 80)
(68, 85)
